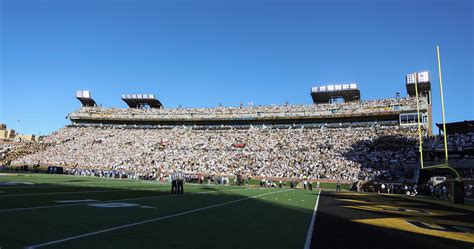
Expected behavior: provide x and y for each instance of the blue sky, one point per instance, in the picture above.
(202, 53)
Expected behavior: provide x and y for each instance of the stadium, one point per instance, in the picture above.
(236, 124)
(312, 173)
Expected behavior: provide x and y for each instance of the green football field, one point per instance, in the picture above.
(57, 211)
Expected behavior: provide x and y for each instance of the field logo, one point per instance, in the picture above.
(441, 227)
(113, 205)
(454, 230)
(76, 201)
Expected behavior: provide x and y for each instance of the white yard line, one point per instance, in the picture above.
(309, 235)
(128, 199)
(151, 220)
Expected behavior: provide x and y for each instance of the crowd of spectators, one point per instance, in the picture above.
(12, 150)
(346, 152)
(5, 148)
(155, 175)
(454, 141)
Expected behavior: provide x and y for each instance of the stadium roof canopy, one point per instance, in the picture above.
(465, 126)
(324, 94)
(141, 100)
(85, 98)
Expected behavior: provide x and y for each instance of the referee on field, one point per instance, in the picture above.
(174, 177)
(180, 179)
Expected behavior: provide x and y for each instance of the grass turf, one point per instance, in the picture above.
(205, 217)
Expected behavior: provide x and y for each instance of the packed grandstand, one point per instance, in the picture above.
(349, 152)
(335, 150)
(353, 140)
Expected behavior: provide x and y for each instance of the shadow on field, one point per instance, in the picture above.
(224, 217)
(206, 187)
(77, 181)
(336, 219)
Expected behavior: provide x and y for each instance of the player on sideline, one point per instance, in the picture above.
(180, 179)
(173, 182)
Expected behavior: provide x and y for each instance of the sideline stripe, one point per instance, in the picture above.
(90, 191)
(37, 185)
(309, 235)
(128, 199)
(151, 220)
(59, 193)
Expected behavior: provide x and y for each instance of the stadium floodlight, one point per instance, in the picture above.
(333, 88)
(141, 101)
(410, 78)
(423, 77)
(83, 94)
(327, 93)
(85, 98)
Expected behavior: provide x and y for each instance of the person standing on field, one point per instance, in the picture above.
(174, 178)
(180, 181)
